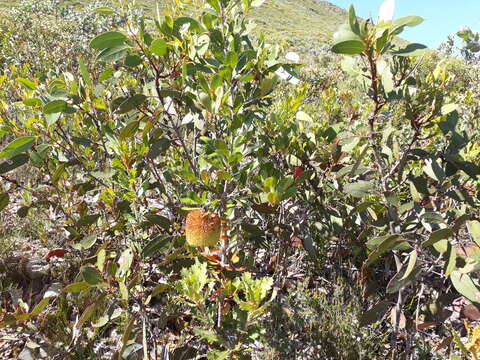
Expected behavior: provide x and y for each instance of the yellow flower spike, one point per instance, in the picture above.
(202, 229)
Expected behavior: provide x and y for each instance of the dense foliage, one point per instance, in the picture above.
(348, 200)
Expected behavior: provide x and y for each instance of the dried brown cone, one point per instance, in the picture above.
(202, 229)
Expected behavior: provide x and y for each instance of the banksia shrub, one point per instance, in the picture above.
(202, 229)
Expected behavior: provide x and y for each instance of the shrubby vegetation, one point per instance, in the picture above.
(349, 201)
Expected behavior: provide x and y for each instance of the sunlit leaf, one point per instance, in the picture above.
(108, 40)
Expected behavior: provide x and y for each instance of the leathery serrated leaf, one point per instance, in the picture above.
(412, 260)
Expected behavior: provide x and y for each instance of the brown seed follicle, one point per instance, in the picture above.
(202, 228)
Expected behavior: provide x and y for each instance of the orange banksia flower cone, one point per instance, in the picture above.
(202, 229)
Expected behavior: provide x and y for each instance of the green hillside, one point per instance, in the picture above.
(298, 21)
(304, 20)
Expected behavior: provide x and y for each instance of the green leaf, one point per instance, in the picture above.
(40, 306)
(437, 236)
(208, 335)
(345, 33)
(349, 47)
(441, 246)
(451, 263)
(4, 200)
(460, 221)
(474, 230)
(201, 44)
(131, 103)
(194, 25)
(382, 41)
(448, 108)
(87, 314)
(464, 284)
(87, 242)
(358, 189)
(84, 72)
(27, 83)
(374, 313)
(159, 147)
(77, 287)
(17, 147)
(87, 220)
(106, 74)
(130, 130)
(159, 47)
(412, 261)
(13, 163)
(411, 50)
(410, 21)
(132, 60)
(352, 20)
(125, 261)
(58, 173)
(386, 245)
(33, 102)
(159, 220)
(104, 11)
(155, 245)
(23, 211)
(303, 116)
(91, 275)
(399, 281)
(433, 169)
(55, 106)
(309, 245)
(108, 40)
(114, 54)
(160, 288)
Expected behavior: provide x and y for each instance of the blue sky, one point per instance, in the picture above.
(442, 17)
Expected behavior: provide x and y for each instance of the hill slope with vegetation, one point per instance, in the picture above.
(297, 21)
